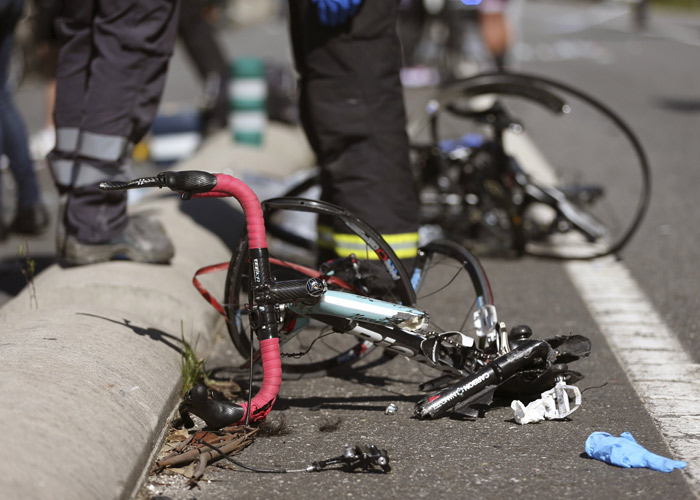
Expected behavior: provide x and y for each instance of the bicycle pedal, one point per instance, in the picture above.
(554, 404)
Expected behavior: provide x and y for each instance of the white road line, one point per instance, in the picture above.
(660, 370)
(662, 373)
(582, 19)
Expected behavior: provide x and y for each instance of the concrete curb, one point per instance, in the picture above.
(91, 355)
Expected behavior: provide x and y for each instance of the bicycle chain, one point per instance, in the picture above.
(430, 335)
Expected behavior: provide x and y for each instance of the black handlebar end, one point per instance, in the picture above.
(113, 185)
(189, 182)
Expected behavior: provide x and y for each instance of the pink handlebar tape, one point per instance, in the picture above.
(226, 185)
(262, 403)
(230, 186)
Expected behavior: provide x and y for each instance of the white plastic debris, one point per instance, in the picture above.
(556, 403)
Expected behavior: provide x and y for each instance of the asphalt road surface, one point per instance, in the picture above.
(651, 79)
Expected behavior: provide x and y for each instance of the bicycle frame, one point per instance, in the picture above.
(363, 309)
(397, 327)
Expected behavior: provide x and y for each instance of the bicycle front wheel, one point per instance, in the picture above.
(311, 347)
(445, 269)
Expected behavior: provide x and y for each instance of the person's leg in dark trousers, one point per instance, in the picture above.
(411, 20)
(111, 73)
(353, 113)
(31, 216)
(199, 39)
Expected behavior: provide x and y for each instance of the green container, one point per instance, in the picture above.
(248, 100)
(247, 67)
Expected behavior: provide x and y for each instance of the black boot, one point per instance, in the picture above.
(33, 219)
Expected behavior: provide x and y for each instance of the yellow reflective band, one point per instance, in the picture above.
(401, 239)
(393, 239)
(368, 254)
(405, 245)
(325, 237)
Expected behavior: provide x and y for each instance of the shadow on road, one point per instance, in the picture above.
(679, 105)
(155, 334)
(358, 403)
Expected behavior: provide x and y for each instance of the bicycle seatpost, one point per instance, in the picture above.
(527, 354)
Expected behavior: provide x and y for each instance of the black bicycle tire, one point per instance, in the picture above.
(528, 79)
(240, 339)
(400, 277)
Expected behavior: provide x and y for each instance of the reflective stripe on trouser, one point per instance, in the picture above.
(80, 161)
(352, 110)
(405, 245)
(82, 158)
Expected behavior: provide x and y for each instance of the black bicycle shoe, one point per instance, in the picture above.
(31, 220)
(143, 240)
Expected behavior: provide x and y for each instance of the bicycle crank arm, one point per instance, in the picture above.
(482, 384)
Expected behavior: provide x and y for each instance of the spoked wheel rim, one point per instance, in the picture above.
(446, 269)
(547, 94)
(323, 350)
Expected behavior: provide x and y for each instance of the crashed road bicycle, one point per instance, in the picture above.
(278, 310)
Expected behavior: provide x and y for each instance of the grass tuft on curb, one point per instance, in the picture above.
(193, 369)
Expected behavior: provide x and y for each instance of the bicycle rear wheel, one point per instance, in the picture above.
(314, 349)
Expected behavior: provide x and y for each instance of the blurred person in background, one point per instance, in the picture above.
(46, 41)
(348, 57)
(473, 36)
(197, 31)
(111, 73)
(31, 217)
(495, 31)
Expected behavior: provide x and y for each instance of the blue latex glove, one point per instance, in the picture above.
(625, 452)
(336, 12)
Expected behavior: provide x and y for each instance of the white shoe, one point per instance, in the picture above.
(41, 143)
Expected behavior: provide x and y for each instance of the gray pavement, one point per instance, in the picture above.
(91, 355)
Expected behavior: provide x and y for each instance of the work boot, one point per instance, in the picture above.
(143, 240)
(33, 219)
